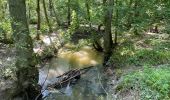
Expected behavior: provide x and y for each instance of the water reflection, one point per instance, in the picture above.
(84, 57)
(87, 88)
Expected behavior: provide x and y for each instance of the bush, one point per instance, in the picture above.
(5, 28)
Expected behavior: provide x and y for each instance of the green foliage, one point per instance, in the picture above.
(74, 23)
(154, 50)
(5, 28)
(8, 72)
(152, 83)
(33, 20)
(73, 27)
(140, 57)
(151, 57)
(66, 36)
(44, 28)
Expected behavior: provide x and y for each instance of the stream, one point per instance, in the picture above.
(89, 86)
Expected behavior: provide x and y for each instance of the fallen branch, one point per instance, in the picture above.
(71, 76)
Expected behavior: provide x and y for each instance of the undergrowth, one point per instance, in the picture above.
(150, 51)
(148, 83)
(151, 83)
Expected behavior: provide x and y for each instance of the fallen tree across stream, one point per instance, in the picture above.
(69, 77)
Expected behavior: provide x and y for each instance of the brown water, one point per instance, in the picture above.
(88, 86)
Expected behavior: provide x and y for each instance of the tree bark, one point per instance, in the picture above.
(136, 14)
(38, 19)
(4, 7)
(88, 11)
(27, 74)
(108, 42)
(129, 20)
(46, 16)
(29, 10)
(55, 14)
(116, 23)
(69, 13)
(50, 8)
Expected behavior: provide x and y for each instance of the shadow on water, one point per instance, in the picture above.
(89, 87)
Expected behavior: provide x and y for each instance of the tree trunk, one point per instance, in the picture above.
(55, 14)
(4, 7)
(116, 22)
(29, 10)
(38, 19)
(27, 87)
(129, 20)
(50, 8)
(46, 16)
(108, 42)
(69, 13)
(88, 11)
(136, 15)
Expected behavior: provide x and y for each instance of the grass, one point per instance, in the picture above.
(151, 83)
(151, 57)
(142, 51)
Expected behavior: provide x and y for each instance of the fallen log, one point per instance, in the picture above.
(71, 77)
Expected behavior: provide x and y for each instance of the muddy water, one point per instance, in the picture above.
(89, 87)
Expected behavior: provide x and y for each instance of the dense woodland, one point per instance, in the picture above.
(132, 37)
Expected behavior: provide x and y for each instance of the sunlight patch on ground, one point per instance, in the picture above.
(150, 33)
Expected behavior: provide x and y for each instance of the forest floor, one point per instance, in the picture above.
(132, 53)
(130, 60)
(7, 61)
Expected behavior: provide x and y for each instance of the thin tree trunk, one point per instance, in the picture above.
(27, 74)
(129, 20)
(108, 42)
(116, 21)
(69, 12)
(55, 14)
(88, 11)
(4, 7)
(29, 10)
(46, 16)
(136, 14)
(38, 19)
(50, 8)
(136, 8)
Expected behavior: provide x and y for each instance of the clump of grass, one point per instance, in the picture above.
(151, 83)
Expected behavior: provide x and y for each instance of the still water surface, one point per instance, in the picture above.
(89, 87)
